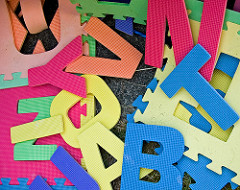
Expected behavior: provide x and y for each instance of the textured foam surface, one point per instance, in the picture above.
(210, 32)
(27, 150)
(72, 170)
(39, 183)
(206, 96)
(10, 56)
(124, 68)
(222, 153)
(118, 10)
(37, 129)
(47, 74)
(108, 116)
(9, 117)
(205, 178)
(125, 26)
(89, 140)
(158, 12)
(33, 16)
(133, 159)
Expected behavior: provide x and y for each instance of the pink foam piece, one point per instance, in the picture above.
(8, 118)
(176, 14)
(12, 61)
(236, 6)
(75, 114)
(210, 32)
(52, 73)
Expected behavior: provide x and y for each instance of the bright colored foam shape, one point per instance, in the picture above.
(133, 159)
(196, 119)
(47, 74)
(108, 116)
(236, 6)
(98, 135)
(23, 184)
(33, 16)
(222, 154)
(229, 68)
(37, 129)
(179, 28)
(72, 170)
(219, 81)
(27, 150)
(125, 26)
(205, 178)
(140, 104)
(91, 109)
(39, 183)
(211, 102)
(210, 32)
(89, 140)
(124, 68)
(118, 10)
(9, 117)
(25, 62)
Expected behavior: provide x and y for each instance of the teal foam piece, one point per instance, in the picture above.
(186, 75)
(133, 159)
(16, 82)
(39, 183)
(205, 178)
(227, 64)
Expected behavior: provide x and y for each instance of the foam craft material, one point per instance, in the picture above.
(209, 35)
(125, 26)
(17, 81)
(90, 140)
(236, 6)
(220, 152)
(229, 38)
(118, 10)
(39, 183)
(27, 150)
(124, 68)
(108, 116)
(46, 74)
(219, 81)
(9, 117)
(156, 24)
(196, 119)
(69, 22)
(72, 170)
(205, 178)
(211, 102)
(196, 8)
(173, 147)
(37, 129)
(33, 16)
(229, 69)
(210, 32)
(140, 104)
(23, 184)
(91, 107)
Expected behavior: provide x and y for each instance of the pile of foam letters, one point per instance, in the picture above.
(50, 134)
